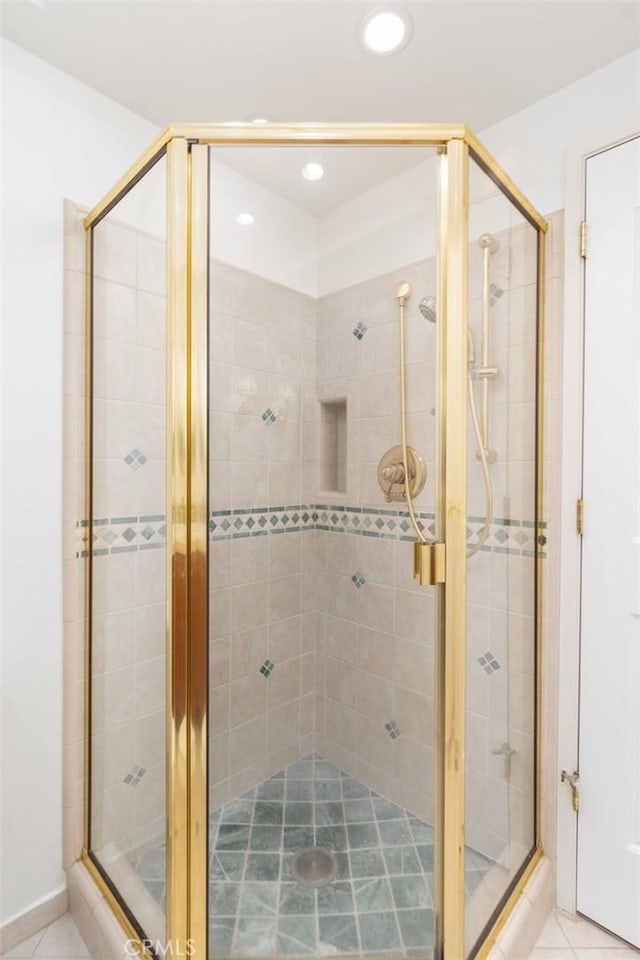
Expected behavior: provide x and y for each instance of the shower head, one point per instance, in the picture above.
(403, 291)
(427, 307)
(488, 241)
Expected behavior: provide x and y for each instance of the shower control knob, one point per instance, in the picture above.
(391, 475)
(394, 473)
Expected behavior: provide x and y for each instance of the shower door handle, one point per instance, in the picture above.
(428, 562)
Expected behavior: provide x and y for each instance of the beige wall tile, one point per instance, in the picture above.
(284, 639)
(248, 698)
(248, 651)
(283, 686)
(284, 597)
(246, 744)
(283, 726)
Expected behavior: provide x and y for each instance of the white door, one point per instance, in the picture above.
(609, 819)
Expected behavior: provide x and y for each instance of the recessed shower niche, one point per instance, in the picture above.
(311, 678)
(333, 446)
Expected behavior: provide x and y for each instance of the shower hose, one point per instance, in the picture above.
(482, 453)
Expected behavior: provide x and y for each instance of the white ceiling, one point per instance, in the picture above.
(349, 171)
(212, 60)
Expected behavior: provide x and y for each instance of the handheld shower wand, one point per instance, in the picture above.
(427, 307)
(403, 292)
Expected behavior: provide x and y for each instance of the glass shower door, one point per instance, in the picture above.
(127, 805)
(323, 679)
(506, 546)
(146, 830)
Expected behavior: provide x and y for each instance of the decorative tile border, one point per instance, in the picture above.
(129, 534)
(260, 521)
(122, 535)
(369, 522)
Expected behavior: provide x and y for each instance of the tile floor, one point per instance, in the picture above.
(59, 941)
(561, 939)
(567, 939)
(380, 902)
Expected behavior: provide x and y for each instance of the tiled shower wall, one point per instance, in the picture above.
(262, 624)
(375, 631)
(501, 583)
(500, 693)
(128, 757)
(375, 636)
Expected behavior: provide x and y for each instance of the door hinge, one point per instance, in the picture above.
(583, 239)
(428, 563)
(580, 517)
(573, 779)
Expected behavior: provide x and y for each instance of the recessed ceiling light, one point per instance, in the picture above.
(313, 171)
(386, 31)
(256, 120)
(245, 219)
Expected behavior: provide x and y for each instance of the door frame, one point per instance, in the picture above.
(568, 684)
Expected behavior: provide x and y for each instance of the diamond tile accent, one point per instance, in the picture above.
(267, 668)
(495, 292)
(393, 729)
(134, 776)
(358, 580)
(359, 330)
(135, 459)
(488, 663)
(269, 416)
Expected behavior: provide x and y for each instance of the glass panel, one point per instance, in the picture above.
(500, 769)
(322, 646)
(128, 807)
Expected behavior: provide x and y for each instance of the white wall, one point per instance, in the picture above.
(390, 225)
(282, 243)
(60, 139)
(533, 145)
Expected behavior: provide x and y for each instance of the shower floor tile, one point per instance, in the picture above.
(380, 902)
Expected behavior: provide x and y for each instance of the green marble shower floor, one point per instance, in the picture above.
(380, 903)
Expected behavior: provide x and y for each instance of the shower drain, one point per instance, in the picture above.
(314, 867)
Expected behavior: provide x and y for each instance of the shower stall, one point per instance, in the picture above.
(313, 542)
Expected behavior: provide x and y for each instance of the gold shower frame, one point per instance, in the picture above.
(185, 147)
